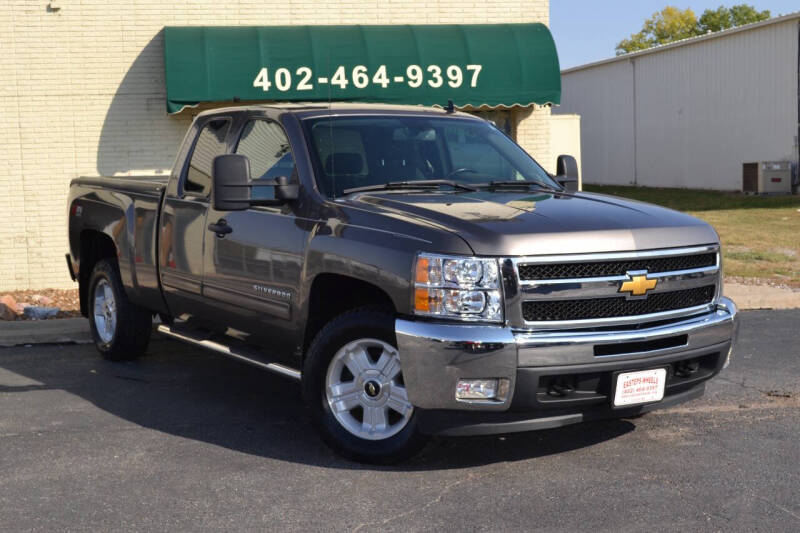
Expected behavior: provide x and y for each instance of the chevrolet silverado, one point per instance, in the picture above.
(413, 268)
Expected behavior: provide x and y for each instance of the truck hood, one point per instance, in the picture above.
(515, 223)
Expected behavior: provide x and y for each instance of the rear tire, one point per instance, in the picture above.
(120, 329)
(353, 386)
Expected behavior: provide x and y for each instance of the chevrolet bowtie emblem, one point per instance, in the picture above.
(638, 285)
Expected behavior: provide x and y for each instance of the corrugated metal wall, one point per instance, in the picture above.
(690, 115)
(603, 97)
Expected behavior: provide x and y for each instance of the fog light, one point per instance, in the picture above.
(482, 389)
(476, 389)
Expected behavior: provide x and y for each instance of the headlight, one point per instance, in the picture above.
(466, 288)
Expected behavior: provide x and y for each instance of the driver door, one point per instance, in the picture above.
(252, 274)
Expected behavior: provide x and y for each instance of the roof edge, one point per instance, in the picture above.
(685, 42)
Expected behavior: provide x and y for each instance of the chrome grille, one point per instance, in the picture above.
(595, 308)
(585, 290)
(598, 269)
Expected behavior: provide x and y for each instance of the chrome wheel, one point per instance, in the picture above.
(105, 311)
(365, 390)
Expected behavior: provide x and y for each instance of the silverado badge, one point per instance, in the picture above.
(638, 285)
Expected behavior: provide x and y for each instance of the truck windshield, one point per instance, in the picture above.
(361, 151)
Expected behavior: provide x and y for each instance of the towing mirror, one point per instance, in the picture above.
(567, 172)
(231, 177)
(233, 190)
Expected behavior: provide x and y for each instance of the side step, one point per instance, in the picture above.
(242, 354)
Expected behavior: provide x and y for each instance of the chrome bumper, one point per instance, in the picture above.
(436, 355)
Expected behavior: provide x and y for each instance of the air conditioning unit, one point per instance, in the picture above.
(767, 177)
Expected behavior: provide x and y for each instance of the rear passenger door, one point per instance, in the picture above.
(252, 273)
(183, 218)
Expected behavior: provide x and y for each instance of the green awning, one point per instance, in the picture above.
(476, 65)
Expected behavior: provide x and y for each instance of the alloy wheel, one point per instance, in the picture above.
(365, 390)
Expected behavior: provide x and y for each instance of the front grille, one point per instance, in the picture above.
(596, 308)
(599, 269)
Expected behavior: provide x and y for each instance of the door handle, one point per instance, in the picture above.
(221, 228)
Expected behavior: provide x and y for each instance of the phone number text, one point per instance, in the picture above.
(302, 79)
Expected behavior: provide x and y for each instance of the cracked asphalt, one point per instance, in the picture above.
(184, 440)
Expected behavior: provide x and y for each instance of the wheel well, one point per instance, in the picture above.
(95, 246)
(334, 294)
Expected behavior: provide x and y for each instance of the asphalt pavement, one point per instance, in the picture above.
(185, 440)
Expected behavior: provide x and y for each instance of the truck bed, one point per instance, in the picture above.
(123, 212)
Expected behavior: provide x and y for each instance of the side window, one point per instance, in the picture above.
(266, 146)
(210, 143)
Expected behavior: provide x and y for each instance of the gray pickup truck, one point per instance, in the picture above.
(413, 268)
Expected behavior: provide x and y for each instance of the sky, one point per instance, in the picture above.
(589, 30)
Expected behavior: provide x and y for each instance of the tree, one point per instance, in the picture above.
(668, 25)
(723, 18)
(746, 14)
(714, 20)
(673, 24)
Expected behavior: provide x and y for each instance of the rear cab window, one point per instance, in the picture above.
(209, 144)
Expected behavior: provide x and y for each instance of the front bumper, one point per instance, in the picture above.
(436, 355)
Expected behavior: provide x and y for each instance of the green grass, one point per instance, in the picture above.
(760, 234)
(697, 200)
(749, 255)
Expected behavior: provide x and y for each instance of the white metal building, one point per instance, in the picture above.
(689, 114)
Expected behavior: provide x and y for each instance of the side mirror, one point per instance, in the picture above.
(231, 180)
(567, 172)
(233, 190)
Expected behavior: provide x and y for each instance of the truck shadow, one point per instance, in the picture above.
(189, 393)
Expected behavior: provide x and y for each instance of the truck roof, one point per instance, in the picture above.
(325, 108)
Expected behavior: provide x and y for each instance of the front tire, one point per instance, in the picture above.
(352, 382)
(120, 329)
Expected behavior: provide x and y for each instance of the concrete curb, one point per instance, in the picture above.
(57, 331)
(762, 296)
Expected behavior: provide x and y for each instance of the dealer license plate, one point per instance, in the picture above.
(644, 386)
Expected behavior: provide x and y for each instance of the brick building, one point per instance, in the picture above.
(83, 93)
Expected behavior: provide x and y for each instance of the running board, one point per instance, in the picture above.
(236, 353)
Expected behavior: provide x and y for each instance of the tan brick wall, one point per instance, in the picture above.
(82, 93)
(533, 134)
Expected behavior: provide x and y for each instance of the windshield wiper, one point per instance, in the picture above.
(518, 184)
(419, 184)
